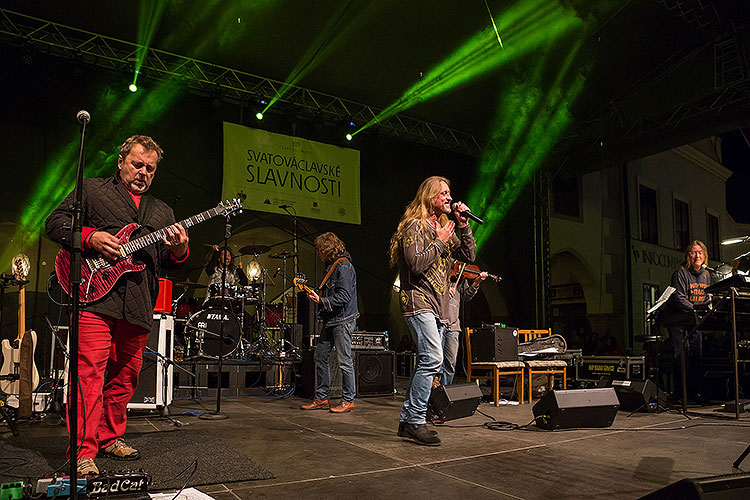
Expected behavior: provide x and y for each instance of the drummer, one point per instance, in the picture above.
(222, 259)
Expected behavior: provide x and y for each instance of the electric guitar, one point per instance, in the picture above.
(99, 274)
(12, 350)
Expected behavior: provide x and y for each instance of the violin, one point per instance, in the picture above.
(469, 271)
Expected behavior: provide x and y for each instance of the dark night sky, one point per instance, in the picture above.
(736, 157)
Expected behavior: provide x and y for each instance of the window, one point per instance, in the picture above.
(650, 294)
(712, 230)
(566, 196)
(648, 212)
(681, 224)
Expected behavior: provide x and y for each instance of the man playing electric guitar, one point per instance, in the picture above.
(114, 330)
(337, 308)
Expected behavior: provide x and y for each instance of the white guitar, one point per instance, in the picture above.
(12, 350)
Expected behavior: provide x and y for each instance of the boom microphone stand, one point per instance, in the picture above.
(218, 415)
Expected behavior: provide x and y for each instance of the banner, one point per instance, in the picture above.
(316, 180)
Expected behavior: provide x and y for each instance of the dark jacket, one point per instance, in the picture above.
(108, 206)
(338, 297)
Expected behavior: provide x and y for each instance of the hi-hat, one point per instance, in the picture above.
(190, 284)
(254, 249)
(284, 254)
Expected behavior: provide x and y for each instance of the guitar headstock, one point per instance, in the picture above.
(300, 281)
(229, 207)
(21, 266)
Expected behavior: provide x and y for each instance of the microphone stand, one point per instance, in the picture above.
(218, 415)
(75, 295)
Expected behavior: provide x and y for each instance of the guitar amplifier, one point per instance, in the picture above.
(362, 340)
(155, 383)
(493, 343)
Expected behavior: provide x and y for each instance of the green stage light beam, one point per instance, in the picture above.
(119, 110)
(150, 13)
(332, 36)
(538, 118)
(494, 26)
(530, 24)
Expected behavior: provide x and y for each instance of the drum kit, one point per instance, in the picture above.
(245, 336)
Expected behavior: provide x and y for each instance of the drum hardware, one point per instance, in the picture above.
(254, 250)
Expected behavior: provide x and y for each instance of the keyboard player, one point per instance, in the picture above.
(689, 281)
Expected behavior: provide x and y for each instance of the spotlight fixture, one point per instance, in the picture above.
(259, 115)
(735, 240)
(133, 87)
(348, 137)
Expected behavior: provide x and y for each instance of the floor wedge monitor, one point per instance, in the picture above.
(577, 408)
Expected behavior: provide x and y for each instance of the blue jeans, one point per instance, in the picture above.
(339, 336)
(427, 332)
(450, 353)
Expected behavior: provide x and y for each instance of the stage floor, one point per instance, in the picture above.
(318, 454)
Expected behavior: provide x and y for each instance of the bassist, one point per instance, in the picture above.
(114, 330)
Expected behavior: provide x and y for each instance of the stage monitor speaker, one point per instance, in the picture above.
(450, 402)
(726, 487)
(635, 394)
(154, 390)
(376, 372)
(493, 344)
(576, 408)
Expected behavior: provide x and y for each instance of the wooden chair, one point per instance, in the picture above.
(495, 369)
(547, 367)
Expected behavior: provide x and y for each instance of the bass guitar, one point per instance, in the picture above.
(99, 274)
(17, 352)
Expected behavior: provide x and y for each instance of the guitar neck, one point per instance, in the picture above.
(156, 236)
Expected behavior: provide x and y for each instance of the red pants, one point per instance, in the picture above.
(110, 355)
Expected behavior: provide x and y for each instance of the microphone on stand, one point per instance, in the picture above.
(278, 270)
(467, 213)
(704, 266)
(83, 116)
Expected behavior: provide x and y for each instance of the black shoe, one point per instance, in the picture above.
(420, 434)
(402, 432)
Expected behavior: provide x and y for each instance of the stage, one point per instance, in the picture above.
(318, 454)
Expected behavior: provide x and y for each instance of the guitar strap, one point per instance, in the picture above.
(330, 271)
(25, 373)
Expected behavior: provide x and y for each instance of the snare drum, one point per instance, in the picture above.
(203, 331)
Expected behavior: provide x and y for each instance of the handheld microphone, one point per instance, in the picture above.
(467, 213)
(83, 116)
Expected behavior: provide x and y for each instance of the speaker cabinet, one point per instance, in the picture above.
(450, 402)
(635, 394)
(726, 487)
(576, 408)
(155, 381)
(493, 343)
(375, 372)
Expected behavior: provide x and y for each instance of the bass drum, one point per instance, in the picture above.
(203, 333)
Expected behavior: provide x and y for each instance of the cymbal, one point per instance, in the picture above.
(284, 254)
(190, 284)
(254, 249)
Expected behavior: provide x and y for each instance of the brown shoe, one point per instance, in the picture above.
(119, 450)
(317, 404)
(343, 407)
(86, 466)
